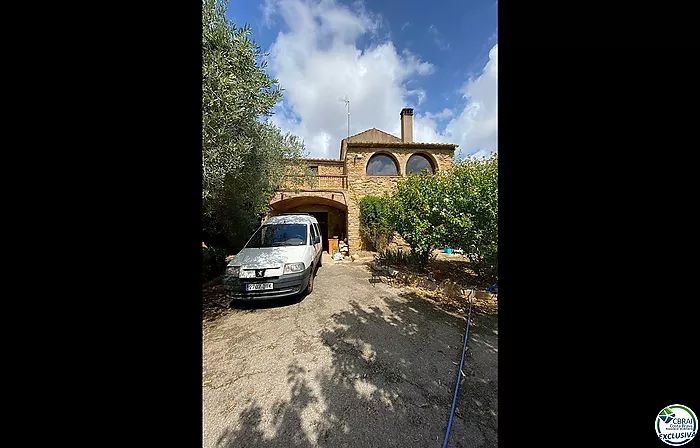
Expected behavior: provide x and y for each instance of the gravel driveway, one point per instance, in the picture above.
(354, 364)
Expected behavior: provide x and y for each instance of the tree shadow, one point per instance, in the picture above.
(285, 416)
(390, 383)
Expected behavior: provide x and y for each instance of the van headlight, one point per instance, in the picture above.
(293, 267)
(233, 270)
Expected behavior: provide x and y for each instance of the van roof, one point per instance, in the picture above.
(291, 219)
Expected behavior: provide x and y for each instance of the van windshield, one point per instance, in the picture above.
(273, 235)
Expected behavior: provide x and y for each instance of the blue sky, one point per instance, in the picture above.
(442, 61)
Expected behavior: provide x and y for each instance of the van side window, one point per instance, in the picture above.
(312, 227)
(318, 231)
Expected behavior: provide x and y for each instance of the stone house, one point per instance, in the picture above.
(370, 162)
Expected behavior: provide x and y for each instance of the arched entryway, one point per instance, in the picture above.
(331, 215)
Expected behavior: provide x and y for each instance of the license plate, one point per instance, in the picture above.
(258, 286)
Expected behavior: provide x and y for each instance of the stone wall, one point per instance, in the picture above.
(330, 175)
(442, 159)
(283, 200)
(327, 169)
(398, 244)
(359, 188)
(373, 135)
(349, 191)
(360, 184)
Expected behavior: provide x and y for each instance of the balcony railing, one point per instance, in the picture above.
(320, 182)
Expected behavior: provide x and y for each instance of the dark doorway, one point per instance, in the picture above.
(322, 218)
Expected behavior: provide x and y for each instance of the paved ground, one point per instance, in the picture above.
(354, 364)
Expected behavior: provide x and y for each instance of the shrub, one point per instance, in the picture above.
(213, 263)
(418, 213)
(375, 227)
(472, 224)
(459, 209)
(400, 258)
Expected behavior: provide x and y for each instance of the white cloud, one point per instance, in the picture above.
(268, 9)
(437, 38)
(476, 128)
(317, 60)
(419, 93)
(445, 113)
(425, 129)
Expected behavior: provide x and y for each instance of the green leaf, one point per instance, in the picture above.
(244, 157)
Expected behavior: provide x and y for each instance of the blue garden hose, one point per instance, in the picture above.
(459, 373)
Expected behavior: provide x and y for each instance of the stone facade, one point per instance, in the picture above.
(331, 174)
(282, 201)
(341, 184)
(328, 169)
(360, 184)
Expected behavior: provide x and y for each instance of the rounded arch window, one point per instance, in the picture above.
(382, 165)
(418, 163)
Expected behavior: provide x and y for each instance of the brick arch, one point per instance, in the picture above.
(284, 201)
(333, 218)
(431, 159)
(393, 157)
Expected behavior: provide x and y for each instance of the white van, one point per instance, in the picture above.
(279, 260)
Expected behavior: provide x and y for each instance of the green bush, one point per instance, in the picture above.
(213, 263)
(375, 228)
(417, 213)
(472, 224)
(459, 209)
(400, 258)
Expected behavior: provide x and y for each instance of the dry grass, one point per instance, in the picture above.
(447, 280)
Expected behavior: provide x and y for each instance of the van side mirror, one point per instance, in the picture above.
(317, 239)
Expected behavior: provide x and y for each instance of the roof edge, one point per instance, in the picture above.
(324, 160)
(401, 144)
(317, 160)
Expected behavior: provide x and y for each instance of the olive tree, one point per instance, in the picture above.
(244, 157)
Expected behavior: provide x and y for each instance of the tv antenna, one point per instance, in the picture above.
(346, 100)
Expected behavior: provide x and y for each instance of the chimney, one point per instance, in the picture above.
(407, 125)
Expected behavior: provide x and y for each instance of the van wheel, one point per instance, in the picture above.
(310, 286)
(320, 260)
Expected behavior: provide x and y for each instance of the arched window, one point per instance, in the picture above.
(417, 163)
(382, 165)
